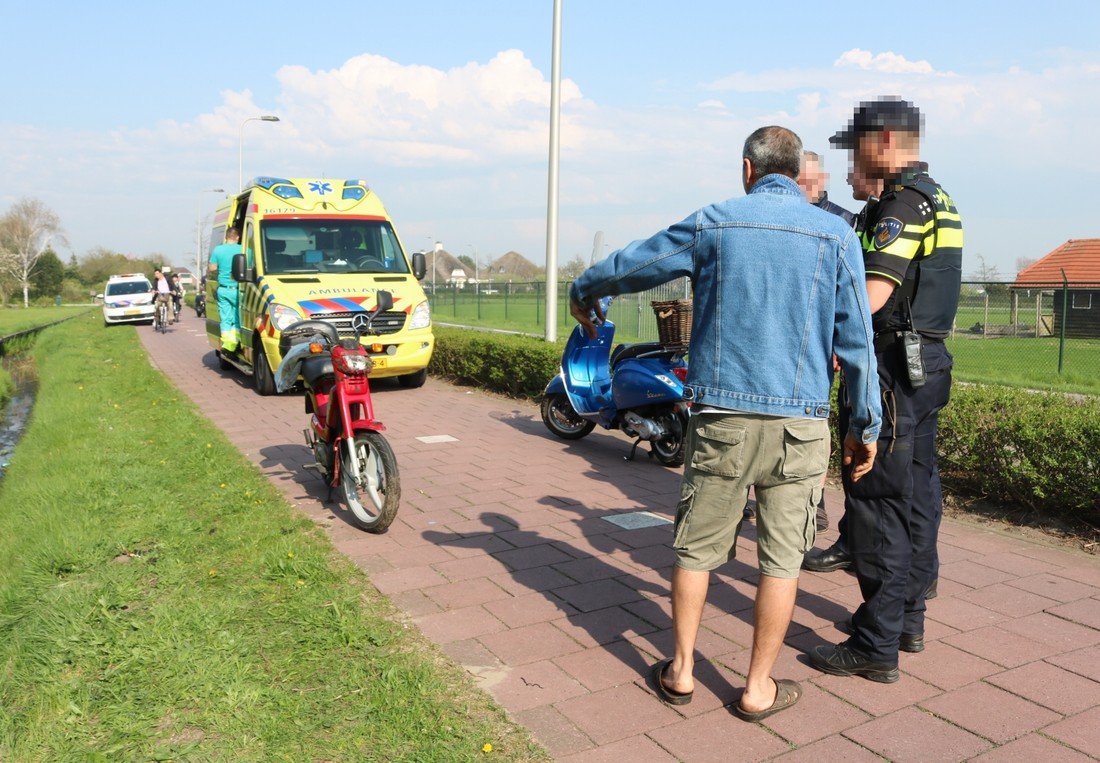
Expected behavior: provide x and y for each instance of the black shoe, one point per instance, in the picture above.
(828, 560)
(842, 660)
(822, 516)
(749, 513)
(912, 642)
(933, 590)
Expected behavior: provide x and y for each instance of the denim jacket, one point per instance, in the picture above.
(779, 287)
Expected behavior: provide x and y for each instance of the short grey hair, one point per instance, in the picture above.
(772, 150)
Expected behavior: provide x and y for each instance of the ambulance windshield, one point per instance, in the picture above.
(333, 245)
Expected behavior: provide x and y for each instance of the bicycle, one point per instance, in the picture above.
(160, 317)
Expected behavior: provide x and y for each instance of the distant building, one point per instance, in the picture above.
(1079, 259)
(444, 265)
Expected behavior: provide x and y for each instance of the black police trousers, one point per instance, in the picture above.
(893, 513)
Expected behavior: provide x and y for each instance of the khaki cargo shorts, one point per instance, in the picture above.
(726, 454)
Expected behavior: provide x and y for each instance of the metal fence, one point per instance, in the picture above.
(1043, 336)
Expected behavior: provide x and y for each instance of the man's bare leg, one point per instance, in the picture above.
(689, 594)
(772, 616)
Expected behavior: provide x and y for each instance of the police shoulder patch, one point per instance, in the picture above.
(886, 231)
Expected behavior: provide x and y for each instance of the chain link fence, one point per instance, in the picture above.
(1043, 336)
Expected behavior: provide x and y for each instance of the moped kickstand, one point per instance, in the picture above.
(633, 450)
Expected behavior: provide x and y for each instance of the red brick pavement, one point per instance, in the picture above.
(501, 554)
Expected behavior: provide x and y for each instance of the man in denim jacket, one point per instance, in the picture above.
(778, 288)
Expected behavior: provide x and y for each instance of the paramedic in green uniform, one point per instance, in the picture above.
(221, 263)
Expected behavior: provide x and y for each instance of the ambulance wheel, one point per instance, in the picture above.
(261, 371)
(373, 499)
(413, 380)
(560, 418)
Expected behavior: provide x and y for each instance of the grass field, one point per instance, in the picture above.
(159, 599)
(13, 319)
(1022, 362)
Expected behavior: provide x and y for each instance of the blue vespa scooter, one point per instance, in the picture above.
(638, 388)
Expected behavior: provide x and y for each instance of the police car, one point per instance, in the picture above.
(127, 299)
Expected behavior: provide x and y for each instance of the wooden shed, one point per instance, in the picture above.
(1080, 260)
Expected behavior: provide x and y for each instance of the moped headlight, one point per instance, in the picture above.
(283, 317)
(421, 317)
(352, 364)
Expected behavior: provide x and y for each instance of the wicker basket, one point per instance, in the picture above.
(673, 322)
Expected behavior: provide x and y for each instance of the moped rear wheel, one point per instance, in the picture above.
(373, 499)
(669, 450)
(560, 418)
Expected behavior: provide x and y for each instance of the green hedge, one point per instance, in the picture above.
(516, 365)
(1038, 450)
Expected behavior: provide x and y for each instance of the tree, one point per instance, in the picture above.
(467, 260)
(570, 270)
(48, 274)
(26, 231)
(101, 263)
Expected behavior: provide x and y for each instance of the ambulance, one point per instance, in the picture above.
(319, 249)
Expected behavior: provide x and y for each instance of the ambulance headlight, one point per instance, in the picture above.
(421, 317)
(283, 317)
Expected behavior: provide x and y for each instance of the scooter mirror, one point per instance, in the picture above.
(385, 301)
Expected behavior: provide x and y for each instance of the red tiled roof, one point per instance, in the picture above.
(1080, 258)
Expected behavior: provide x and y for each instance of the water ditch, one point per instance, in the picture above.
(17, 411)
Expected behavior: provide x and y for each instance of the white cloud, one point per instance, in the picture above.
(891, 63)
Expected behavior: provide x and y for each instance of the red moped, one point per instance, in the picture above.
(348, 446)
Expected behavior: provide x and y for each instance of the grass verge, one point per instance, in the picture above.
(160, 600)
(13, 319)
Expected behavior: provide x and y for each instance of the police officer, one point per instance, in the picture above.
(912, 240)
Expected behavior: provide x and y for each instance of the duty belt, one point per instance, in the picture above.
(885, 340)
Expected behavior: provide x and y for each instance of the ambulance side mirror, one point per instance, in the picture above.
(241, 272)
(420, 265)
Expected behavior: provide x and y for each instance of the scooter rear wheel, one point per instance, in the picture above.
(373, 499)
(670, 450)
(560, 418)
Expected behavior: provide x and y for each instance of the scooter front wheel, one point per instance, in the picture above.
(560, 418)
(374, 497)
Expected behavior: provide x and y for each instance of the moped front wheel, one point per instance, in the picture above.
(560, 418)
(373, 497)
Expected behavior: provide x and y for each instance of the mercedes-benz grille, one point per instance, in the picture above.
(389, 322)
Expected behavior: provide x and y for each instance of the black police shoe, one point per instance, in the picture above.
(912, 642)
(828, 560)
(749, 512)
(933, 590)
(842, 660)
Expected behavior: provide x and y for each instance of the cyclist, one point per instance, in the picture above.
(177, 297)
(162, 292)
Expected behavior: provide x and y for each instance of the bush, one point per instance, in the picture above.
(1040, 450)
(515, 365)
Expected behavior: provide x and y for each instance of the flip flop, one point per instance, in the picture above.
(787, 692)
(665, 693)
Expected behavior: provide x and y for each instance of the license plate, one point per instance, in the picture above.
(379, 362)
(132, 312)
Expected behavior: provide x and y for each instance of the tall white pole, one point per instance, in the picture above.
(552, 190)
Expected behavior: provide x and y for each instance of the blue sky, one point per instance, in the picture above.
(119, 117)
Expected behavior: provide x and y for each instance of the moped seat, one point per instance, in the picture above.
(624, 351)
(314, 368)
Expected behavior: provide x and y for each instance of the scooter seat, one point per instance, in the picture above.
(624, 351)
(314, 368)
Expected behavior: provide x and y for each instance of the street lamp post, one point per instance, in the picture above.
(240, 151)
(430, 239)
(198, 236)
(551, 333)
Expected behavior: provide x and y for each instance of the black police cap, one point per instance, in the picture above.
(887, 113)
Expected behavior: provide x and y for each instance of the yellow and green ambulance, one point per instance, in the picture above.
(319, 249)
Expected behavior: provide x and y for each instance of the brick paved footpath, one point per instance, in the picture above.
(502, 554)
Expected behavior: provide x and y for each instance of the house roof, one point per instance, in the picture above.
(1079, 257)
(514, 263)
